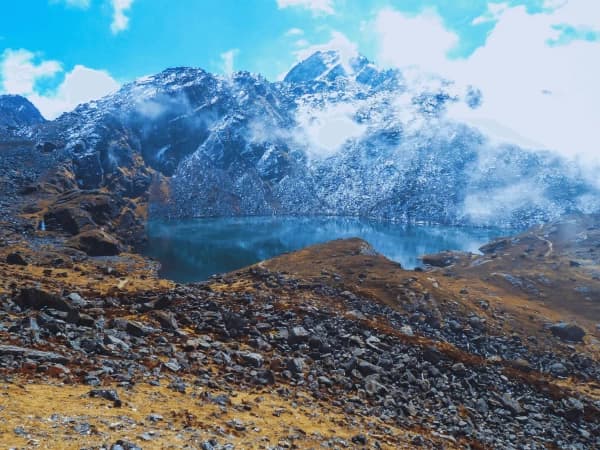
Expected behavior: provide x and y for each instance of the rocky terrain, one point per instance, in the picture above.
(333, 346)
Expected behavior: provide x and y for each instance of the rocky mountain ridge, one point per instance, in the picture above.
(338, 136)
(17, 112)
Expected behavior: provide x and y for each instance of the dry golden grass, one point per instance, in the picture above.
(187, 419)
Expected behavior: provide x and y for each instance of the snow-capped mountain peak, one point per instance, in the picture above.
(337, 136)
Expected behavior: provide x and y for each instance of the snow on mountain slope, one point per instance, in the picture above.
(16, 112)
(337, 136)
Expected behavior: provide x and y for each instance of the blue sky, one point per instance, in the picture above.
(166, 33)
(62, 52)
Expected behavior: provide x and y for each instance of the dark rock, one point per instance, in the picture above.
(574, 408)
(125, 445)
(37, 299)
(16, 259)
(443, 259)
(568, 331)
(137, 329)
(559, 370)
(359, 439)
(252, 359)
(367, 368)
(495, 246)
(234, 322)
(295, 365)
(37, 355)
(107, 394)
(297, 335)
(77, 211)
(96, 243)
(432, 354)
(166, 320)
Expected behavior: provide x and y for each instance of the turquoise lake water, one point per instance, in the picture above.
(193, 250)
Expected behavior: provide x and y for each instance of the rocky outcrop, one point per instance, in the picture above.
(443, 259)
(97, 219)
(95, 243)
(17, 112)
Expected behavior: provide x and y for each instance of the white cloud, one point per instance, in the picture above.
(533, 92)
(228, 61)
(315, 6)
(294, 32)
(325, 130)
(20, 72)
(80, 85)
(120, 21)
(421, 41)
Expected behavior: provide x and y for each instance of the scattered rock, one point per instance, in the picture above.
(568, 331)
(16, 259)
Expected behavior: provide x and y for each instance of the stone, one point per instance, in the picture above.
(443, 259)
(482, 406)
(37, 299)
(568, 331)
(295, 365)
(16, 259)
(511, 404)
(96, 243)
(138, 329)
(30, 353)
(234, 322)
(154, 417)
(459, 369)
(252, 359)
(166, 320)
(374, 387)
(297, 335)
(107, 394)
(367, 368)
(559, 370)
(359, 439)
(76, 300)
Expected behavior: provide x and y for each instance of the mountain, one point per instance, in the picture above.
(337, 136)
(493, 350)
(16, 112)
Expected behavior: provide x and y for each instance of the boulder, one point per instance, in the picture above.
(37, 299)
(495, 246)
(443, 259)
(252, 359)
(30, 353)
(96, 243)
(297, 335)
(16, 259)
(77, 211)
(568, 331)
(166, 320)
